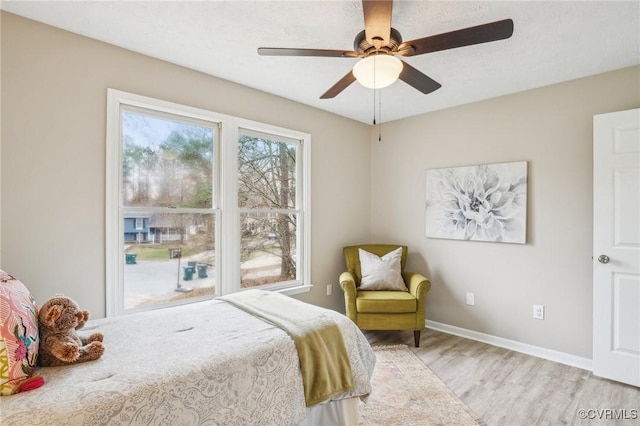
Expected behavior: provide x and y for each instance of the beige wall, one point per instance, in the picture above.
(0, 144)
(53, 112)
(551, 129)
(53, 157)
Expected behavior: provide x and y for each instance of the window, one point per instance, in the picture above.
(201, 204)
(268, 208)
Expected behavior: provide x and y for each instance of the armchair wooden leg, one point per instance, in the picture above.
(416, 338)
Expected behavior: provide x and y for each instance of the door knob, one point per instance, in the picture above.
(603, 258)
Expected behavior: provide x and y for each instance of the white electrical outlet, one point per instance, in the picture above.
(471, 299)
(538, 312)
(329, 290)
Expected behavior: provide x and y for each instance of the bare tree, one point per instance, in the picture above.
(266, 181)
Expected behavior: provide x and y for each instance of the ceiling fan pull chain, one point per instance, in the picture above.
(379, 116)
(375, 89)
(374, 107)
(374, 94)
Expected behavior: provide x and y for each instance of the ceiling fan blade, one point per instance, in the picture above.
(377, 21)
(342, 84)
(417, 79)
(284, 51)
(484, 33)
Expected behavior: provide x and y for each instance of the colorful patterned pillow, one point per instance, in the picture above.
(18, 335)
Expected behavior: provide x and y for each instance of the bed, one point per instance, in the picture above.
(213, 362)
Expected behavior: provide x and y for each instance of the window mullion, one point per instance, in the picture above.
(267, 211)
(230, 220)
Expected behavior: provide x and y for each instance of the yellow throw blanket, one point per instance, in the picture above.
(324, 363)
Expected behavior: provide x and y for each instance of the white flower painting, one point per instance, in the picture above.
(481, 203)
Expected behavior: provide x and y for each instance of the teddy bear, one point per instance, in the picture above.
(58, 320)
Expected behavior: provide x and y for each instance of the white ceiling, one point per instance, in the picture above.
(553, 41)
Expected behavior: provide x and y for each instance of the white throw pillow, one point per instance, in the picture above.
(381, 273)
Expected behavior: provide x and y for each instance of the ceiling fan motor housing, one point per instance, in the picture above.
(364, 48)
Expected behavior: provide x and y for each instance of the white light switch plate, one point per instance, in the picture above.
(471, 299)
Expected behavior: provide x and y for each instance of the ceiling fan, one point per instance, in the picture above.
(379, 44)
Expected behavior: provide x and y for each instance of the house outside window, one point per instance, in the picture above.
(167, 219)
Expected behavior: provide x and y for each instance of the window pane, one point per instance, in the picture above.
(267, 173)
(268, 248)
(172, 257)
(166, 162)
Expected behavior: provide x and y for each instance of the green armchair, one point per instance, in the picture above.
(383, 309)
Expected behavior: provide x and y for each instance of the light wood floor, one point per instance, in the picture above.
(504, 387)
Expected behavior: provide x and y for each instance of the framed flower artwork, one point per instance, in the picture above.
(481, 203)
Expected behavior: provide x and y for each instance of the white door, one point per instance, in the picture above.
(616, 246)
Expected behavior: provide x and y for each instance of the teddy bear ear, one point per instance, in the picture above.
(52, 314)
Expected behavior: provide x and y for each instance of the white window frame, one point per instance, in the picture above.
(227, 241)
(298, 210)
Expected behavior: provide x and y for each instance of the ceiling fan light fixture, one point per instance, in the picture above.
(377, 71)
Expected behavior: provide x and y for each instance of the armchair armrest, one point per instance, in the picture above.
(347, 282)
(348, 286)
(417, 284)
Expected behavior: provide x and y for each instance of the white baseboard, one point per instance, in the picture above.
(537, 351)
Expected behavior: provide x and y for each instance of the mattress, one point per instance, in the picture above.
(202, 363)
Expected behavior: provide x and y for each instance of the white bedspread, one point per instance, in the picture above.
(203, 363)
